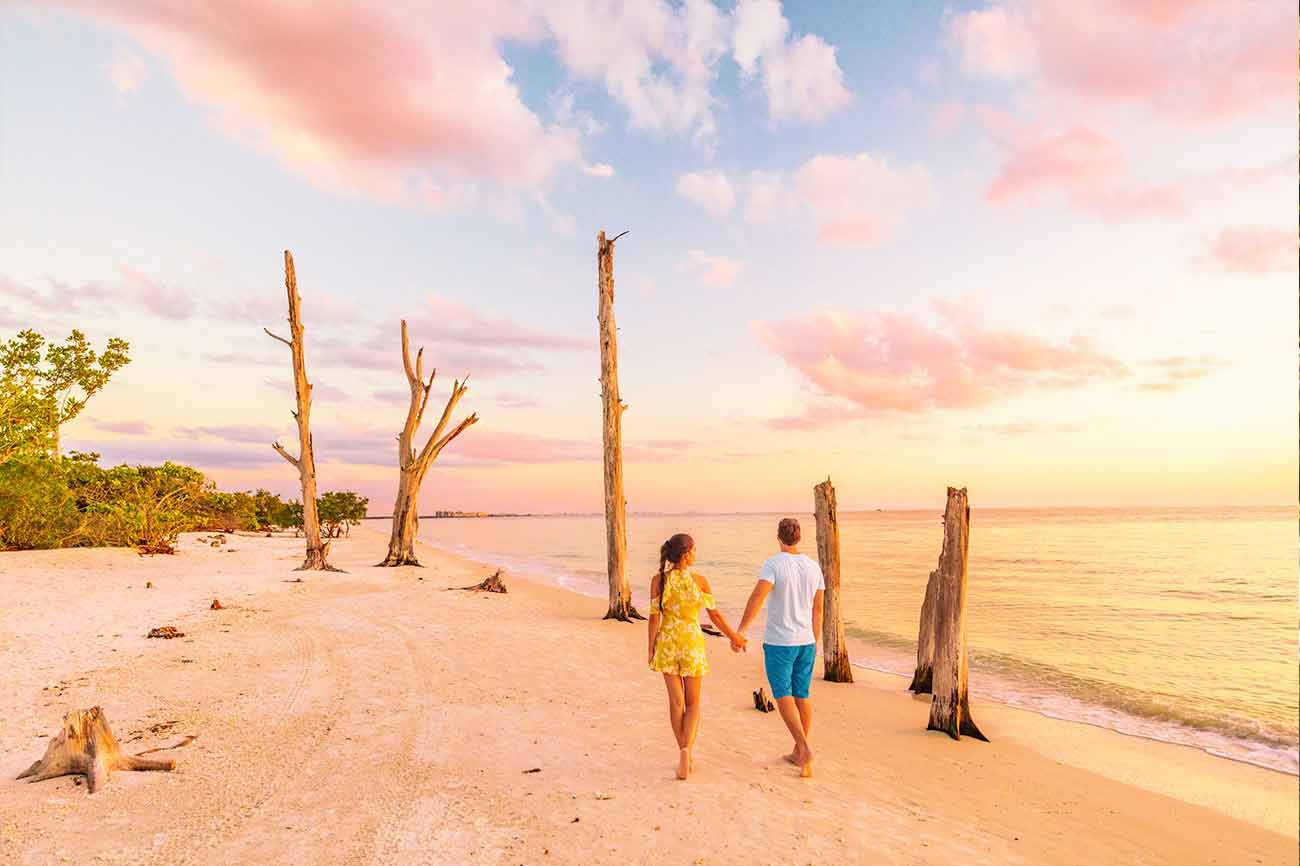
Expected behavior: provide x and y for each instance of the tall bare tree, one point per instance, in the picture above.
(835, 650)
(305, 462)
(412, 465)
(620, 591)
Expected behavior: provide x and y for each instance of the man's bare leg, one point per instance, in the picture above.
(794, 724)
(804, 706)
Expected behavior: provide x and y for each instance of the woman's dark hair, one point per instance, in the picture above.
(672, 551)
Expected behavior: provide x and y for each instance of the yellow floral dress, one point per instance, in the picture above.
(679, 649)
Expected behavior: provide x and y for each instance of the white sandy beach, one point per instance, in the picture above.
(374, 718)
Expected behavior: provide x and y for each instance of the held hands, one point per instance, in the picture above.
(738, 643)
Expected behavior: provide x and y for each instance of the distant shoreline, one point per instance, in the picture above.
(1080, 509)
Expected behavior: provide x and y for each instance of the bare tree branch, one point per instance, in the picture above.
(277, 337)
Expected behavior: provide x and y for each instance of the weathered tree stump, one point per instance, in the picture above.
(491, 583)
(950, 709)
(612, 408)
(86, 747)
(835, 651)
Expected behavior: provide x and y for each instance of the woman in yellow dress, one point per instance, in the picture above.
(676, 641)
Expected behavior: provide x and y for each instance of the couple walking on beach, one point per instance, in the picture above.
(790, 584)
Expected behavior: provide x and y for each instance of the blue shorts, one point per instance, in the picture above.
(789, 669)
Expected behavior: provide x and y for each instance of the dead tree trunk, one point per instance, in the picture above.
(305, 462)
(620, 592)
(412, 465)
(950, 709)
(86, 747)
(835, 652)
(923, 679)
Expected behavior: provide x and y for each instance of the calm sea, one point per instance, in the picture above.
(1174, 624)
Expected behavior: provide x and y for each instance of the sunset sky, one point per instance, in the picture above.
(1045, 250)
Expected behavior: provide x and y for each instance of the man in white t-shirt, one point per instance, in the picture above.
(793, 587)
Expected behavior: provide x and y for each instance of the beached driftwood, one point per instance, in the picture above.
(491, 583)
(762, 702)
(305, 462)
(86, 747)
(950, 708)
(620, 591)
(835, 652)
(412, 465)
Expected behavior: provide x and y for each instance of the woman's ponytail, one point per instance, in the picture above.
(673, 550)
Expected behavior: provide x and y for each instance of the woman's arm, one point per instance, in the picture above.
(737, 642)
(652, 627)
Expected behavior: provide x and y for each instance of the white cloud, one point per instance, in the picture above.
(801, 77)
(709, 190)
(715, 272)
(598, 169)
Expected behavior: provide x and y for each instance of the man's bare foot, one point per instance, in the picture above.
(790, 759)
(804, 759)
(683, 763)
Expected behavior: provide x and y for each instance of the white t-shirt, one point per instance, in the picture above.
(795, 579)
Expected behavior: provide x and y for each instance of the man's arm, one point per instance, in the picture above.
(754, 605)
(819, 610)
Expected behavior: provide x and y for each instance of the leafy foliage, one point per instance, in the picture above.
(339, 510)
(45, 385)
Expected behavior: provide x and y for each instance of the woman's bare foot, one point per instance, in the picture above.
(683, 763)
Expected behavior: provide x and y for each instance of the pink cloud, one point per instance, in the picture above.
(169, 302)
(886, 362)
(861, 200)
(946, 117)
(1087, 166)
(1196, 60)
(715, 272)
(301, 80)
(124, 428)
(1255, 250)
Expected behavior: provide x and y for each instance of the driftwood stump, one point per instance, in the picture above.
(762, 703)
(612, 408)
(491, 583)
(86, 747)
(950, 709)
(835, 650)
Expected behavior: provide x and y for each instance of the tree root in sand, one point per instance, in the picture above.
(86, 747)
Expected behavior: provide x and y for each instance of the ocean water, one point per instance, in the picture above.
(1173, 624)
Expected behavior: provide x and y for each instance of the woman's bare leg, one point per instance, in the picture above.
(676, 707)
(691, 718)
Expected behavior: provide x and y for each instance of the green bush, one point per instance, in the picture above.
(148, 506)
(38, 507)
(228, 512)
(339, 510)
